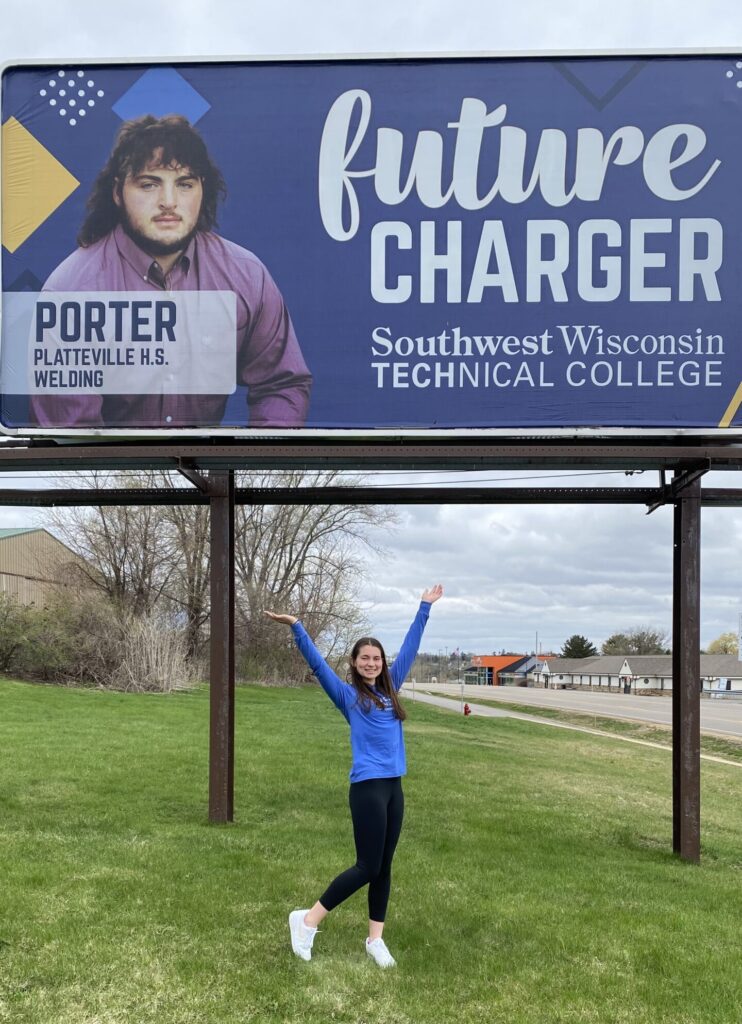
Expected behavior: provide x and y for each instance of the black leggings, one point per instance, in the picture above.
(377, 809)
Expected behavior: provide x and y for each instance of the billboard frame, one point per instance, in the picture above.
(210, 471)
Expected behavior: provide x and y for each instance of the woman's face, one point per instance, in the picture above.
(368, 663)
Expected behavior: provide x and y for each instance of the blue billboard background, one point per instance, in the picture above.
(390, 343)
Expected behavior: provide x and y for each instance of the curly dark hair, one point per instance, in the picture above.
(178, 144)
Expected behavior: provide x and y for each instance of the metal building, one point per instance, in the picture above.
(34, 565)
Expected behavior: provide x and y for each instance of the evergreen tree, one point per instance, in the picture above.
(578, 647)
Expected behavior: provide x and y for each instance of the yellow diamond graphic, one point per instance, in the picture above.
(34, 184)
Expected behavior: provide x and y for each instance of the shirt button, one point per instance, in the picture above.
(168, 419)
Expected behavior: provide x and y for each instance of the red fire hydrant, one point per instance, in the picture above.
(467, 709)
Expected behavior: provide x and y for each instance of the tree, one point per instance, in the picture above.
(578, 646)
(127, 553)
(308, 559)
(725, 643)
(189, 585)
(639, 640)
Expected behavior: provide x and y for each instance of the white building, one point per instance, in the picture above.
(721, 674)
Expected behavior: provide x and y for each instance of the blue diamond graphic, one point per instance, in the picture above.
(161, 91)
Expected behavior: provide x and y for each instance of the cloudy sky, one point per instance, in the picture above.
(141, 28)
(512, 574)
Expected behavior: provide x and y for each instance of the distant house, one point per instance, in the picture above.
(34, 565)
(523, 672)
(503, 669)
(640, 674)
(484, 669)
(500, 669)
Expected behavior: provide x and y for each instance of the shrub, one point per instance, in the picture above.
(277, 668)
(152, 656)
(14, 626)
(87, 640)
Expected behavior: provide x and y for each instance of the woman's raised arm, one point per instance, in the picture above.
(410, 644)
(333, 686)
(287, 620)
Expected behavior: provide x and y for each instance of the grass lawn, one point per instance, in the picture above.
(534, 882)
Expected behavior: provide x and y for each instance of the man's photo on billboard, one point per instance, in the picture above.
(150, 226)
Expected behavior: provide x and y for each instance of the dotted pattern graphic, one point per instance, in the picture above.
(73, 94)
(735, 73)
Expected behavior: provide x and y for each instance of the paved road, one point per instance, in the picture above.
(718, 716)
(489, 711)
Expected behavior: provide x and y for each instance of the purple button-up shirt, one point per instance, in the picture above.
(269, 360)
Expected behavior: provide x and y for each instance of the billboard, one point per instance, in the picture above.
(489, 244)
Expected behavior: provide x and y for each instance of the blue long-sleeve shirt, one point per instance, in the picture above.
(376, 737)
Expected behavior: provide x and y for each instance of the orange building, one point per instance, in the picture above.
(485, 668)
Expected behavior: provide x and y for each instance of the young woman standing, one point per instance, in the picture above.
(370, 704)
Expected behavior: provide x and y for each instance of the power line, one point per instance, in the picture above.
(510, 479)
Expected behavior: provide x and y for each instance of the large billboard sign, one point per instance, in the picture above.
(494, 244)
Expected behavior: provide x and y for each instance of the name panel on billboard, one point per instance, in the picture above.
(134, 342)
(489, 244)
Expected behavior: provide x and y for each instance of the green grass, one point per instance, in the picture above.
(716, 746)
(534, 882)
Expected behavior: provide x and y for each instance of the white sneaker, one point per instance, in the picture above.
(377, 951)
(302, 936)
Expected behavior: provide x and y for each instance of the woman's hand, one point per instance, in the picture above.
(287, 620)
(433, 594)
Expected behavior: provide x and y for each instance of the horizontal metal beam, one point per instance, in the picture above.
(80, 496)
(59, 497)
(388, 454)
(721, 497)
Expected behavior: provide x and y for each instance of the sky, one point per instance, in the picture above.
(514, 577)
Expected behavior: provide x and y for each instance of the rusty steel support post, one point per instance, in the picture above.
(221, 732)
(686, 672)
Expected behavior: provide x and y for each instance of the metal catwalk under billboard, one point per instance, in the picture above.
(391, 245)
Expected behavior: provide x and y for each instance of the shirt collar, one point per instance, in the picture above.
(142, 261)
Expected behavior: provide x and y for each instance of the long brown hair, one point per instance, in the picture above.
(178, 144)
(367, 695)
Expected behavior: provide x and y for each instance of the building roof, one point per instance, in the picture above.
(523, 666)
(721, 665)
(495, 661)
(646, 665)
(18, 532)
(565, 666)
